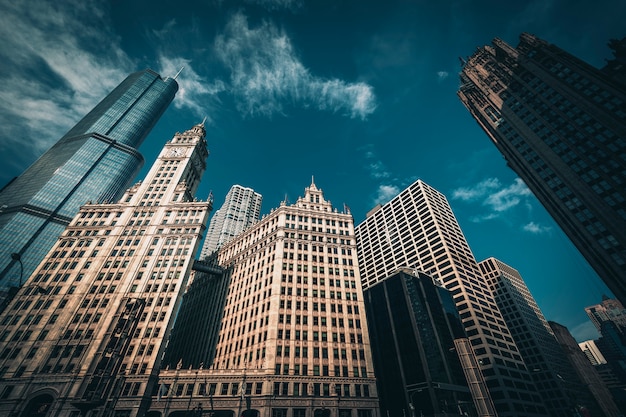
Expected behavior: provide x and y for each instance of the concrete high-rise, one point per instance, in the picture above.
(87, 330)
(609, 310)
(417, 229)
(417, 344)
(590, 349)
(94, 162)
(542, 353)
(561, 126)
(241, 209)
(293, 339)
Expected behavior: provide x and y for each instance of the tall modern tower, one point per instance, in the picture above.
(293, 339)
(417, 344)
(417, 229)
(561, 126)
(542, 353)
(241, 209)
(87, 330)
(94, 162)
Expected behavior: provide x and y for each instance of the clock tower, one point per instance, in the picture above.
(110, 304)
(176, 174)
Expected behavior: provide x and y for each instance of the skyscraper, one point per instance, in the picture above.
(417, 229)
(609, 310)
(609, 317)
(87, 330)
(542, 353)
(241, 209)
(293, 339)
(561, 125)
(94, 162)
(414, 328)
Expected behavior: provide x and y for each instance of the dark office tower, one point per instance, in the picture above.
(561, 125)
(417, 229)
(95, 161)
(241, 209)
(87, 331)
(534, 337)
(293, 340)
(609, 317)
(197, 326)
(586, 373)
(413, 327)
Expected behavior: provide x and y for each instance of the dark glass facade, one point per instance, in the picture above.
(413, 324)
(95, 161)
(561, 125)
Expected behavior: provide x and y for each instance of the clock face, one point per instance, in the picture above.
(176, 152)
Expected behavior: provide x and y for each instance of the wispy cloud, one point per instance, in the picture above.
(388, 186)
(536, 229)
(42, 108)
(477, 191)
(194, 92)
(386, 193)
(497, 198)
(375, 167)
(266, 74)
(442, 75)
(508, 197)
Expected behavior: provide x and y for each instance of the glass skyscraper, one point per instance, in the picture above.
(413, 325)
(561, 125)
(94, 162)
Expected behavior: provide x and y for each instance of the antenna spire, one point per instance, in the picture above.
(178, 73)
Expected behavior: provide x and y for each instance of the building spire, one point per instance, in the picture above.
(178, 73)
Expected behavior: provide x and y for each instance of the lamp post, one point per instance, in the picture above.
(17, 257)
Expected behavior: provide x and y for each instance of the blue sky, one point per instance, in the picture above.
(359, 94)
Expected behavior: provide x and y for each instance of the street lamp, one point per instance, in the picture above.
(17, 257)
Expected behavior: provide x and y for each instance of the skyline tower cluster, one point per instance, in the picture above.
(94, 161)
(89, 325)
(302, 313)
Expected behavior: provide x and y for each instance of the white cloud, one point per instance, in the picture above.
(375, 167)
(483, 218)
(194, 92)
(508, 197)
(442, 75)
(478, 191)
(266, 73)
(498, 199)
(44, 107)
(536, 228)
(386, 193)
